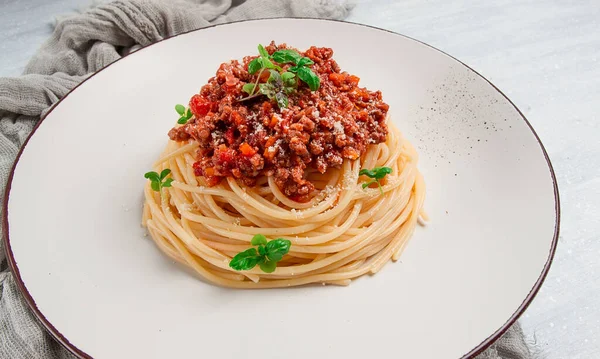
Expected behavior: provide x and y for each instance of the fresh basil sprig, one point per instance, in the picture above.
(159, 181)
(280, 83)
(185, 114)
(266, 254)
(301, 68)
(376, 173)
(277, 87)
(262, 62)
(286, 56)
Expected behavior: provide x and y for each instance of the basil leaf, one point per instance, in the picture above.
(381, 172)
(286, 76)
(180, 109)
(167, 182)
(153, 176)
(262, 51)
(255, 65)
(155, 185)
(262, 251)
(188, 114)
(282, 100)
(275, 78)
(268, 64)
(294, 68)
(182, 120)
(368, 173)
(286, 56)
(165, 173)
(248, 88)
(268, 266)
(377, 173)
(268, 90)
(245, 260)
(258, 239)
(307, 75)
(277, 248)
(305, 61)
(289, 79)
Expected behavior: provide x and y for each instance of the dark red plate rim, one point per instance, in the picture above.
(475, 351)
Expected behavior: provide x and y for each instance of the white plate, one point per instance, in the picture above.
(77, 248)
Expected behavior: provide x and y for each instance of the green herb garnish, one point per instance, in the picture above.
(376, 173)
(280, 83)
(266, 254)
(262, 62)
(286, 56)
(306, 74)
(300, 67)
(156, 180)
(185, 114)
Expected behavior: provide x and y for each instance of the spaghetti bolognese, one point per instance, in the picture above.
(282, 171)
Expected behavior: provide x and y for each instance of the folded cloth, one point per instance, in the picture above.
(80, 45)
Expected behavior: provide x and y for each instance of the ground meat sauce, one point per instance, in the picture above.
(254, 138)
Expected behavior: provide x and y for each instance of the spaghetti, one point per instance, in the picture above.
(342, 233)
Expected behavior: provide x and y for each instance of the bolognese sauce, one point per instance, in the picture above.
(255, 137)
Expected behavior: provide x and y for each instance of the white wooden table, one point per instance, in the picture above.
(544, 56)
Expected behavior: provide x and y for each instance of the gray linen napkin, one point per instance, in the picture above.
(80, 45)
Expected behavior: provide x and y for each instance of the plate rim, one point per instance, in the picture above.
(486, 343)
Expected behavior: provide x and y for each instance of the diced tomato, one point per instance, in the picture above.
(247, 150)
(200, 105)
